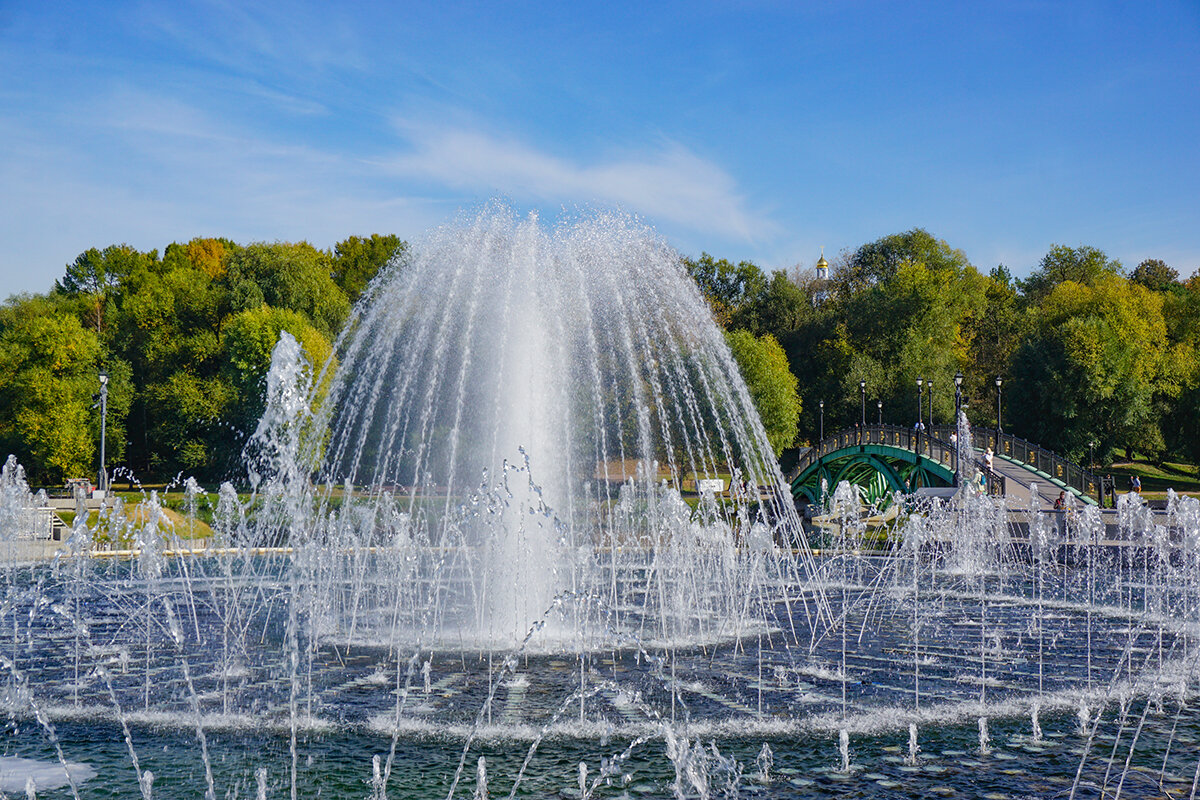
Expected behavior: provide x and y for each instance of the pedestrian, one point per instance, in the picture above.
(1135, 483)
(988, 455)
(1061, 502)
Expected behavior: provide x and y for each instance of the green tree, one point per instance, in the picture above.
(186, 419)
(48, 372)
(1083, 264)
(1090, 368)
(779, 307)
(726, 286)
(994, 334)
(821, 351)
(208, 255)
(772, 386)
(357, 260)
(250, 339)
(168, 328)
(1180, 396)
(171, 319)
(914, 324)
(1182, 423)
(95, 277)
(1155, 275)
(291, 276)
(877, 262)
(904, 307)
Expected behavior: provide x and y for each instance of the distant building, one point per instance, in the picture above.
(821, 287)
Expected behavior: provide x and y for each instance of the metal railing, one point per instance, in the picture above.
(1060, 470)
(995, 483)
(935, 444)
(925, 443)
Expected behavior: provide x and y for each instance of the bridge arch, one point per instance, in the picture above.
(879, 460)
(882, 459)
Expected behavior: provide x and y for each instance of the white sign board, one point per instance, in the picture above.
(714, 485)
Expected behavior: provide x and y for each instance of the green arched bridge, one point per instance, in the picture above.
(882, 459)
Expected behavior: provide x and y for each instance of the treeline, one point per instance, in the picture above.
(186, 340)
(1093, 358)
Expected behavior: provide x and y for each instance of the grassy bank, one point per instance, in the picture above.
(1156, 478)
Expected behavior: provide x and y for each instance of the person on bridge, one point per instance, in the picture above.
(1061, 502)
(988, 455)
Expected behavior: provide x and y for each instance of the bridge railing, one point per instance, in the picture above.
(1047, 462)
(926, 443)
(936, 444)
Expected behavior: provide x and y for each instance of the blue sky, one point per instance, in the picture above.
(756, 130)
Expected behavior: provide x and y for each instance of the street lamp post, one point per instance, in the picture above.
(958, 379)
(920, 397)
(963, 447)
(999, 427)
(879, 405)
(821, 436)
(862, 388)
(103, 425)
(929, 393)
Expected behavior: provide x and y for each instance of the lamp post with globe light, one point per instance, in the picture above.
(920, 398)
(963, 447)
(999, 427)
(103, 400)
(929, 392)
(958, 379)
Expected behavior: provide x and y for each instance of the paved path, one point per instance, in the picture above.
(1018, 481)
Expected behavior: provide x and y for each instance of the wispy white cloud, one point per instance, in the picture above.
(670, 183)
(148, 170)
(257, 38)
(148, 167)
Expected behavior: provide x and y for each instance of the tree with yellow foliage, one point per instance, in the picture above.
(1090, 367)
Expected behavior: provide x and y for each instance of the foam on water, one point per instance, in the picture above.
(17, 774)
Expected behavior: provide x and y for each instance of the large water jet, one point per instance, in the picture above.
(570, 383)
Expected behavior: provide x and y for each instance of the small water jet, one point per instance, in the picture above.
(764, 762)
(481, 790)
(985, 739)
(914, 749)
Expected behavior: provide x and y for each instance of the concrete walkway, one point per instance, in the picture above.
(19, 551)
(1018, 482)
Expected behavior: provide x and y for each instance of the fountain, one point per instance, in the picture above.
(477, 563)
(529, 407)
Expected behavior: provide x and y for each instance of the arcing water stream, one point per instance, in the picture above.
(475, 564)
